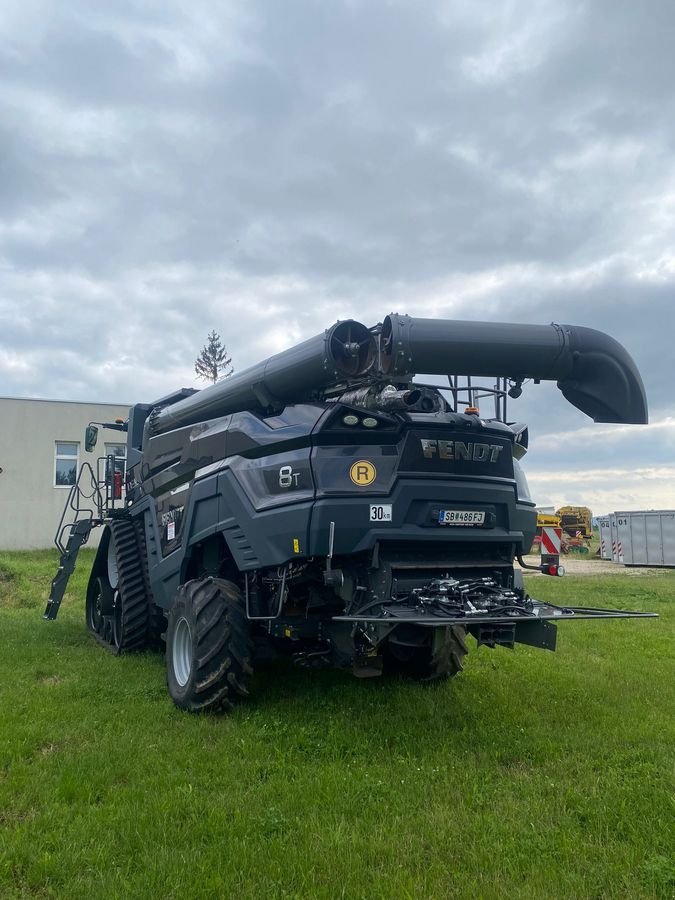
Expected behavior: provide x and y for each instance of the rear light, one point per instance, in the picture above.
(369, 422)
(350, 420)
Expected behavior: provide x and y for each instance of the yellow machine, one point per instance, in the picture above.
(575, 520)
(547, 519)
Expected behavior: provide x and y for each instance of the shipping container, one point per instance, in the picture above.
(646, 538)
(622, 535)
(613, 539)
(605, 537)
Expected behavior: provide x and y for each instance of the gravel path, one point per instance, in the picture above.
(579, 565)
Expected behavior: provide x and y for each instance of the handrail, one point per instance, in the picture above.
(77, 496)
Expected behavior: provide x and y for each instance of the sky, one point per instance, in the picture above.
(264, 168)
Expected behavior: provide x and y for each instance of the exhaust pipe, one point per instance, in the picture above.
(595, 373)
(344, 351)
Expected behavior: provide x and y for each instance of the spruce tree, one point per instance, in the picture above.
(213, 363)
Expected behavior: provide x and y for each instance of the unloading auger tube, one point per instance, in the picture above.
(343, 352)
(594, 372)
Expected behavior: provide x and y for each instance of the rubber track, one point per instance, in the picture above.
(156, 617)
(131, 587)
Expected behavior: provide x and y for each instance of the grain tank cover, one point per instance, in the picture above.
(344, 351)
(593, 371)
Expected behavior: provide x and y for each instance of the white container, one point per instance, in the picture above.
(623, 535)
(605, 537)
(647, 538)
(613, 539)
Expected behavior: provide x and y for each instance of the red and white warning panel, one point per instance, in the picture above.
(551, 545)
(551, 541)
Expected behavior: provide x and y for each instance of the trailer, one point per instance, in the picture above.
(647, 538)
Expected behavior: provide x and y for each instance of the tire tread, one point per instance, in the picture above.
(223, 648)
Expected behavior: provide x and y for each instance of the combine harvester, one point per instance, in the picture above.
(326, 506)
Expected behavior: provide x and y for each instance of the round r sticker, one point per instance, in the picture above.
(363, 473)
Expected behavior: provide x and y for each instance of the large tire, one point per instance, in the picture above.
(208, 646)
(426, 654)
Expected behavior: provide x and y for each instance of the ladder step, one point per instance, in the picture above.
(77, 538)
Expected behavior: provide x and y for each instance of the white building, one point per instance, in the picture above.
(41, 453)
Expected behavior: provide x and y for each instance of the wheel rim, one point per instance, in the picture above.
(113, 572)
(117, 622)
(182, 652)
(95, 613)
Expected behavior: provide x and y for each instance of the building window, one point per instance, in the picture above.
(119, 451)
(66, 457)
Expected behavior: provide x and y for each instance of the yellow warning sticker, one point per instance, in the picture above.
(363, 473)
(296, 545)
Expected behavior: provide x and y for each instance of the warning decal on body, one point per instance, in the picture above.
(363, 473)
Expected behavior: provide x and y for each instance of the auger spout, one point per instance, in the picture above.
(595, 373)
(344, 351)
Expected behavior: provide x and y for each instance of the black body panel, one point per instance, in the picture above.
(272, 486)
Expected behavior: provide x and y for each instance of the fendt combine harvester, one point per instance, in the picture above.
(325, 506)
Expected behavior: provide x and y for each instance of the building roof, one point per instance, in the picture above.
(79, 402)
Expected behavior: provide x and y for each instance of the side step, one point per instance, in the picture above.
(78, 536)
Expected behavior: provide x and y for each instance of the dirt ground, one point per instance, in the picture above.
(584, 565)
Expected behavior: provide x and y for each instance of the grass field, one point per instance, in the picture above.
(531, 775)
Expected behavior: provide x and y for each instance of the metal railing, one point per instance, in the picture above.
(85, 503)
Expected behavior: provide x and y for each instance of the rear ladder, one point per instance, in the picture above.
(86, 503)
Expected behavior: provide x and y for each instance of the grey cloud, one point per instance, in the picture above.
(322, 141)
(265, 168)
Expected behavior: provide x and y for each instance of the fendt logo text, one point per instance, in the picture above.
(433, 449)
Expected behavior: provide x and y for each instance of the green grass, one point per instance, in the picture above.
(531, 775)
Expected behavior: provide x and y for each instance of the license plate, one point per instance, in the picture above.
(461, 517)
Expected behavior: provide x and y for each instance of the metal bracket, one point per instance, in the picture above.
(332, 577)
(280, 600)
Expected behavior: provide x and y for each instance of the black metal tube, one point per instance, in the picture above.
(594, 372)
(344, 351)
